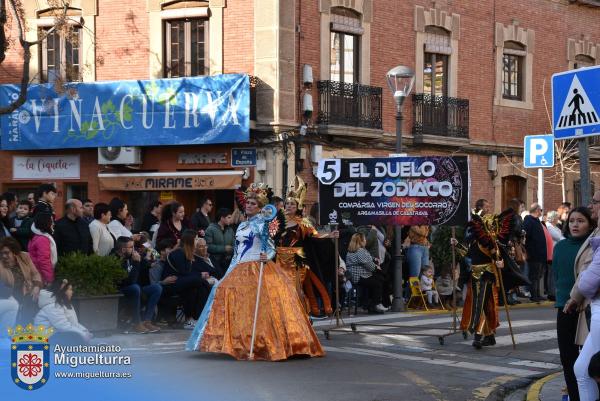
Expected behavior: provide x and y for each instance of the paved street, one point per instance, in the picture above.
(376, 365)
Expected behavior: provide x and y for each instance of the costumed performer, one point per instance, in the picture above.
(487, 236)
(282, 327)
(296, 252)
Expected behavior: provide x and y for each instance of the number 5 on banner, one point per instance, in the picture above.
(329, 171)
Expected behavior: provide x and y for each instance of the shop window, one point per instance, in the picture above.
(60, 56)
(77, 191)
(512, 71)
(186, 47)
(345, 52)
(22, 193)
(577, 192)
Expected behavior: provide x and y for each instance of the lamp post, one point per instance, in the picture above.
(400, 80)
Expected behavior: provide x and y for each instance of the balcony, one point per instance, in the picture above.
(440, 116)
(353, 105)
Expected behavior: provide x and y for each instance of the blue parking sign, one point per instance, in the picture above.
(576, 103)
(539, 151)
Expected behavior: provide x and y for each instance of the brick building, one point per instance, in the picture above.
(483, 71)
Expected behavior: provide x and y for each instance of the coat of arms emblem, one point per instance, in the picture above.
(30, 356)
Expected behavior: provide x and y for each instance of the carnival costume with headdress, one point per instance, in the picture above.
(225, 325)
(486, 235)
(295, 251)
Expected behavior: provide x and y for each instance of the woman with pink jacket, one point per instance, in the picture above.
(42, 248)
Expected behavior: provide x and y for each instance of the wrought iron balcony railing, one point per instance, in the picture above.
(349, 104)
(440, 115)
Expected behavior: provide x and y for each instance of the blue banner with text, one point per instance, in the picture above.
(175, 111)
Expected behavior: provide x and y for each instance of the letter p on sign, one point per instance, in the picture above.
(539, 151)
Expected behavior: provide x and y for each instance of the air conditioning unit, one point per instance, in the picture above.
(120, 155)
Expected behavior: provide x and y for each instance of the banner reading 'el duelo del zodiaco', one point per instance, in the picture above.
(394, 190)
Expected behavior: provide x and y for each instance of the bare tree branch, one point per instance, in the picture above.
(26, 45)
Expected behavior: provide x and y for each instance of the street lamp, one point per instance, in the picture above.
(400, 80)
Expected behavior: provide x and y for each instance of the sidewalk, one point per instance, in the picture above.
(165, 336)
(548, 389)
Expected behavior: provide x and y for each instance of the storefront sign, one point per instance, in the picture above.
(243, 157)
(203, 158)
(46, 167)
(395, 190)
(177, 181)
(177, 111)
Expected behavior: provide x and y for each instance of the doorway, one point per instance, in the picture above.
(513, 186)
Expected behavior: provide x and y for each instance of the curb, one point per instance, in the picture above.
(501, 391)
(528, 305)
(533, 394)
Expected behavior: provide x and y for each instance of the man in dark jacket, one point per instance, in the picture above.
(72, 233)
(201, 219)
(535, 244)
(220, 239)
(88, 211)
(131, 263)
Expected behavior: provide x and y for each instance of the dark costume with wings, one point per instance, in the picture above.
(487, 238)
(296, 253)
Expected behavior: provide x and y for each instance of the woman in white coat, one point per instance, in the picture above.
(119, 213)
(103, 241)
(57, 311)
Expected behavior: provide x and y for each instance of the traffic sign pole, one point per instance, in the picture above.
(584, 171)
(540, 194)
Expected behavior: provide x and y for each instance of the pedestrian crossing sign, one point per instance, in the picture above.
(576, 103)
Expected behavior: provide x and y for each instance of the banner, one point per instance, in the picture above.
(394, 191)
(46, 167)
(177, 111)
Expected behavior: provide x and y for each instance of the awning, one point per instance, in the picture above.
(171, 181)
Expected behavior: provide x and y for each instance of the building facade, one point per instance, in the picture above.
(318, 87)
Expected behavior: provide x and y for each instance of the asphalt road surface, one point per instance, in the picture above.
(378, 363)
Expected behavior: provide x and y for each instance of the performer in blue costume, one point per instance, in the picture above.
(282, 327)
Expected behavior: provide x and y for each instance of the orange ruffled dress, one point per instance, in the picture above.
(225, 326)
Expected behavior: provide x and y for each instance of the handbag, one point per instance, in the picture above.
(520, 254)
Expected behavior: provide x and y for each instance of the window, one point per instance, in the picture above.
(22, 192)
(345, 38)
(186, 47)
(435, 74)
(582, 61)
(61, 55)
(77, 191)
(512, 71)
(344, 57)
(435, 63)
